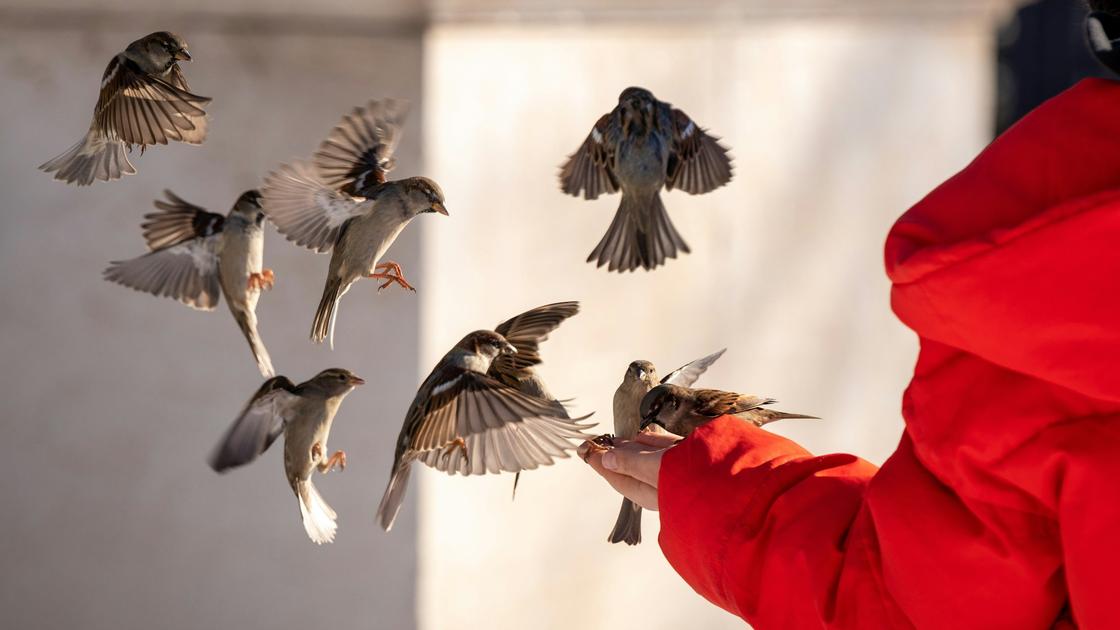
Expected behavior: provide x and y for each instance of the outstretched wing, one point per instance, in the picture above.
(178, 221)
(257, 427)
(687, 374)
(358, 152)
(305, 209)
(473, 424)
(589, 168)
(187, 272)
(141, 109)
(526, 332)
(698, 163)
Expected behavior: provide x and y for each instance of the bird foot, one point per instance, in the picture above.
(390, 272)
(337, 460)
(457, 443)
(601, 444)
(262, 281)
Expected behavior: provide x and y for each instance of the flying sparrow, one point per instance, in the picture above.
(303, 414)
(639, 379)
(144, 100)
(483, 410)
(681, 410)
(343, 204)
(195, 253)
(642, 145)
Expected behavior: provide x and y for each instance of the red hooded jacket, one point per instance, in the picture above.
(1001, 506)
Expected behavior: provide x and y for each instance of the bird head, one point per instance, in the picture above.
(336, 381)
(249, 206)
(423, 195)
(638, 105)
(487, 344)
(641, 372)
(158, 52)
(662, 399)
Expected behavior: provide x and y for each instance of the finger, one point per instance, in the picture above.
(660, 439)
(643, 465)
(640, 493)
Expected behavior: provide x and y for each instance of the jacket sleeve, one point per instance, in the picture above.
(765, 530)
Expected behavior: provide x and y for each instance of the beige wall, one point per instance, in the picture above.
(836, 127)
(114, 398)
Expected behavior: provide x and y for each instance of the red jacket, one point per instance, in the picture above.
(1001, 506)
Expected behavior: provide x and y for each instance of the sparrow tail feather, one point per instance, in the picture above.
(318, 517)
(641, 235)
(247, 320)
(94, 157)
(628, 527)
(323, 325)
(394, 496)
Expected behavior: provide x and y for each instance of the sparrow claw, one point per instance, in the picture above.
(390, 272)
(337, 460)
(601, 444)
(262, 281)
(457, 443)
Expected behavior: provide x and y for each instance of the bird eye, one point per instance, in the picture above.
(342, 377)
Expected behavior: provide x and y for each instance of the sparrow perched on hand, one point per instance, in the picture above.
(483, 410)
(343, 204)
(640, 146)
(195, 252)
(639, 379)
(303, 413)
(144, 100)
(681, 410)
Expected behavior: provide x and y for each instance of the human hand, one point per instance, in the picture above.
(632, 467)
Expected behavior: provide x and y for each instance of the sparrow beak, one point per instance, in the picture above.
(438, 207)
(648, 420)
(509, 349)
(182, 55)
(357, 380)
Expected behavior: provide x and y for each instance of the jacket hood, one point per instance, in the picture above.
(1016, 259)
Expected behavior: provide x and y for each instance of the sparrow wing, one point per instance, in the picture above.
(472, 424)
(526, 332)
(589, 168)
(141, 109)
(305, 209)
(257, 426)
(698, 163)
(178, 221)
(714, 403)
(687, 374)
(179, 80)
(358, 152)
(187, 272)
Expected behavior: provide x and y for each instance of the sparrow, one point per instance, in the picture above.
(640, 378)
(1103, 29)
(303, 414)
(144, 100)
(681, 410)
(642, 145)
(195, 253)
(343, 203)
(483, 410)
